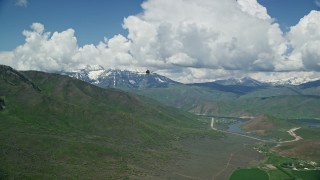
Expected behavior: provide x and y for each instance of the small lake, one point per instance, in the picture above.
(235, 127)
(230, 124)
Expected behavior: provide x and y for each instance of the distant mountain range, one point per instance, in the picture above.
(123, 79)
(236, 86)
(233, 97)
(246, 81)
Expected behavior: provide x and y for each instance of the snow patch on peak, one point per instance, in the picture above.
(160, 80)
(291, 81)
(107, 73)
(94, 75)
(117, 78)
(132, 81)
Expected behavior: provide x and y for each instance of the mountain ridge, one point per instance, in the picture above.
(115, 78)
(245, 81)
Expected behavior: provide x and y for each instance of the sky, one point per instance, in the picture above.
(186, 40)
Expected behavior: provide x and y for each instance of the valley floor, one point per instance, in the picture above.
(205, 158)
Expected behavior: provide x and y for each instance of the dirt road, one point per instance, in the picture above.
(291, 132)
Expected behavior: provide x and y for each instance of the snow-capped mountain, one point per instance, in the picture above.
(246, 81)
(96, 74)
(290, 81)
(250, 82)
(113, 78)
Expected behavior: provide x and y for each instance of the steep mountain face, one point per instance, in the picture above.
(122, 79)
(57, 126)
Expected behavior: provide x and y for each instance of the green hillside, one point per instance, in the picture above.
(184, 96)
(287, 107)
(281, 102)
(56, 127)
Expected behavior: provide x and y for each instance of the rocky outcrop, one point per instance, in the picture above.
(2, 104)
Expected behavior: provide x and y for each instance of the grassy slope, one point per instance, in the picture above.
(295, 107)
(70, 129)
(281, 102)
(183, 96)
(309, 133)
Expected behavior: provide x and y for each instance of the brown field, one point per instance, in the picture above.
(303, 149)
(259, 125)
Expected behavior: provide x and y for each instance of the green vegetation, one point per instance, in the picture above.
(281, 167)
(278, 175)
(277, 160)
(295, 106)
(57, 127)
(183, 96)
(280, 102)
(309, 133)
(247, 174)
(283, 173)
(307, 175)
(2, 103)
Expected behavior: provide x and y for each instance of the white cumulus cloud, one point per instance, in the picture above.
(253, 8)
(185, 39)
(45, 51)
(305, 40)
(60, 51)
(212, 34)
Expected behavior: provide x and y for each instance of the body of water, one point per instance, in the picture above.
(236, 127)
